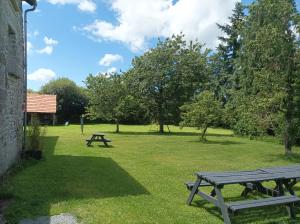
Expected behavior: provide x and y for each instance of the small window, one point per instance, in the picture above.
(12, 60)
(12, 42)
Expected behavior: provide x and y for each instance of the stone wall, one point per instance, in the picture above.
(11, 82)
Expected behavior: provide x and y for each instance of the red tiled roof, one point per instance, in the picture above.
(41, 103)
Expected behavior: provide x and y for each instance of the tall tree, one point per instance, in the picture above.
(105, 92)
(267, 67)
(167, 76)
(223, 60)
(71, 99)
(109, 100)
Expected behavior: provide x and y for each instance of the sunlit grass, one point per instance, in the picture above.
(140, 179)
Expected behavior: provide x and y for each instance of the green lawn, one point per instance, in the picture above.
(140, 179)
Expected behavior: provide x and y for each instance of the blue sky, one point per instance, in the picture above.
(73, 38)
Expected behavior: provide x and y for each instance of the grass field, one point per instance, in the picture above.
(140, 179)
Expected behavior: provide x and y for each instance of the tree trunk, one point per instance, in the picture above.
(287, 145)
(117, 126)
(288, 132)
(203, 133)
(161, 126)
(161, 118)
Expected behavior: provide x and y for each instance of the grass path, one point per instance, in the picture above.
(140, 179)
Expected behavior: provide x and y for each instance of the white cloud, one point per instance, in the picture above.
(50, 41)
(108, 59)
(111, 70)
(83, 5)
(48, 49)
(63, 2)
(35, 33)
(87, 6)
(37, 11)
(108, 72)
(42, 75)
(141, 20)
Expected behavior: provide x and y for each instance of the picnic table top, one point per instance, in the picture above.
(286, 171)
(282, 168)
(260, 175)
(224, 178)
(98, 134)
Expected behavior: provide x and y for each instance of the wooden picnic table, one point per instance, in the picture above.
(252, 180)
(97, 137)
(291, 176)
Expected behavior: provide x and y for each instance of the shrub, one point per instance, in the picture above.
(35, 134)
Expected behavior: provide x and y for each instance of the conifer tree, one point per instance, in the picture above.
(227, 51)
(267, 68)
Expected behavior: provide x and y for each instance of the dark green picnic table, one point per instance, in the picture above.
(284, 177)
(97, 137)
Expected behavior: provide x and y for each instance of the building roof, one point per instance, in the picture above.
(41, 103)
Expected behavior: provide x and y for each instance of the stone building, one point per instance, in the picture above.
(11, 81)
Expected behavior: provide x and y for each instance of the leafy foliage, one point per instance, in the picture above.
(109, 100)
(267, 70)
(105, 94)
(167, 76)
(222, 62)
(34, 134)
(203, 113)
(71, 99)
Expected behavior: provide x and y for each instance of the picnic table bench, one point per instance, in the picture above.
(97, 137)
(284, 178)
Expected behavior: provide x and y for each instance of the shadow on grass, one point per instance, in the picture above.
(212, 142)
(294, 158)
(95, 146)
(62, 178)
(167, 133)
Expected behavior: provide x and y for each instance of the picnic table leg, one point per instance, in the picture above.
(289, 186)
(291, 212)
(222, 205)
(103, 139)
(249, 187)
(193, 191)
(90, 141)
(213, 193)
(246, 191)
(289, 207)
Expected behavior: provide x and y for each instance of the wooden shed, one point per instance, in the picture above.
(44, 105)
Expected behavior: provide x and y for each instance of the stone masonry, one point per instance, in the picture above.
(11, 82)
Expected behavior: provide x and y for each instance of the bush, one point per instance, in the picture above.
(35, 134)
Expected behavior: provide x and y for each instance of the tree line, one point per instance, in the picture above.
(249, 83)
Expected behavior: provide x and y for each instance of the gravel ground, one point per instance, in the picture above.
(2, 219)
(3, 205)
(63, 218)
